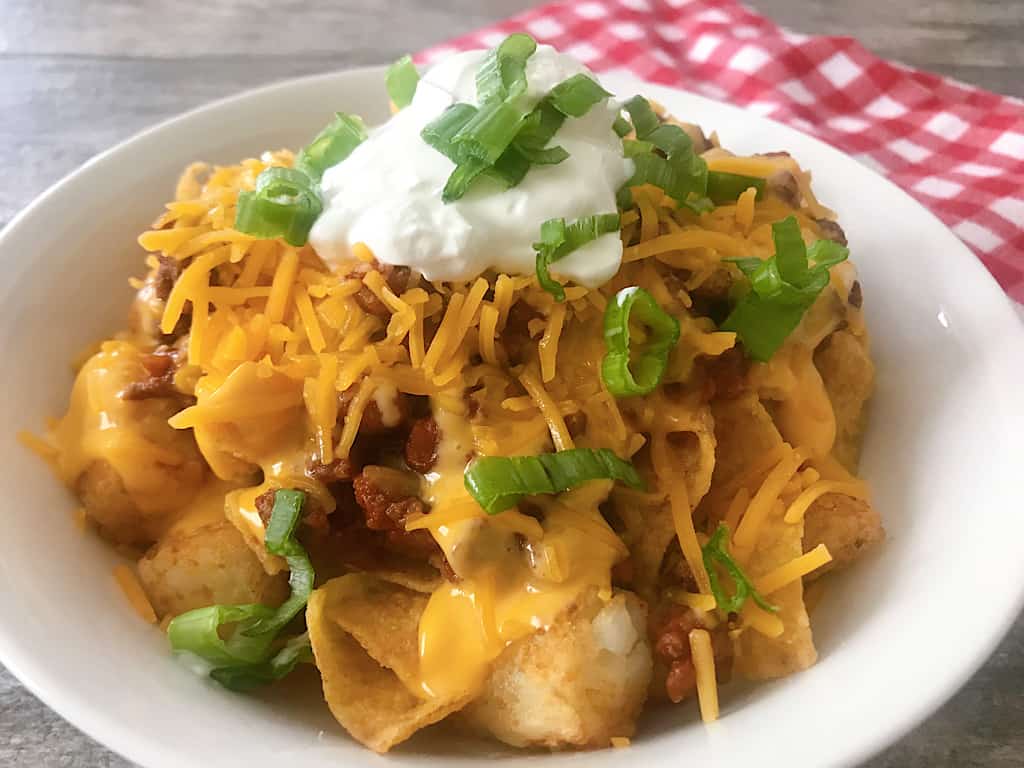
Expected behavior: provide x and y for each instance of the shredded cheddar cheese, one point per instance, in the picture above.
(793, 570)
(134, 593)
(704, 664)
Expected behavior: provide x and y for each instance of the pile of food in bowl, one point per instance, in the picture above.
(528, 408)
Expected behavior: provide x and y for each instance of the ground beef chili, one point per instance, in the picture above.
(387, 505)
(830, 230)
(313, 514)
(784, 184)
(397, 279)
(421, 445)
(160, 366)
(727, 374)
(856, 297)
(516, 336)
(335, 471)
(168, 271)
(670, 637)
(373, 422)
(576, 423)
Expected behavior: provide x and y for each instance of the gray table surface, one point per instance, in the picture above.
(77, 77)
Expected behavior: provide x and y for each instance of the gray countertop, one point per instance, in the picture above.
(77, 77)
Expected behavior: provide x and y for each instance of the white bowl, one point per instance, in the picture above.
(897, 634)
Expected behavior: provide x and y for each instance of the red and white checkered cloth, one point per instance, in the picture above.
(959, 150)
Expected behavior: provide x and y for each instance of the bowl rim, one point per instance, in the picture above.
(121, 738)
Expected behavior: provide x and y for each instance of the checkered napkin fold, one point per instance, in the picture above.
(957, 149)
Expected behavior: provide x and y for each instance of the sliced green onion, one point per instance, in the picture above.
(643, 116)
(284, 516)
(715, 552)
(503, 72)
(727, 187)
(510, 169)
(280, 540)
(549, 156)
(198, 632)
(460, 179)
(682, 174)
(238, 641)
(790, 251)
(285, 204)
(629, 369)
(575, 96)
(501, 482)
(782, 289)
(500, 139)
(826, 254)
(539, 127)
(622, 126)
(401, 81)
(440, 131)
(332, 145)
(558, 240)
(247, 677)
(682, 179)
(635, 147)
(670, 139)
(488, 133)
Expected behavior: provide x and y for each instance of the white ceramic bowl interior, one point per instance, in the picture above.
(897, 634)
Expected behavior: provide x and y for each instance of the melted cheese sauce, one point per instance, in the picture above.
(804, 412)
(249, 421)
(511, 586)
(516, 574)
(158, 467)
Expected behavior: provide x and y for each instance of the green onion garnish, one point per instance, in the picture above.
(440, 131)
(643, 116)
(460, 179)
(285, 204)
(727, 187)
(332, 145)
(280, 540)
(683, 178)
(635, 147)
(401, 81)
(558, 240)
(246, 677)
(510, 169)
(502, 139)
(245, 655)
(500, 482)
(488, 132)
(629, 369)
(682, 174)
(502, 75)
(783, 288)
(539, 127)
(621, 126)
(575, 96)
(716, 552)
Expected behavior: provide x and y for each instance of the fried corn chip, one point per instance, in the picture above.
(419, 577)
(759, 657)
(846, 369)
(690, 451)
(364, 636)
(746, 435)
(748, 446)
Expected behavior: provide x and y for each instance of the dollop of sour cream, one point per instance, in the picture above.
(387, 193)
